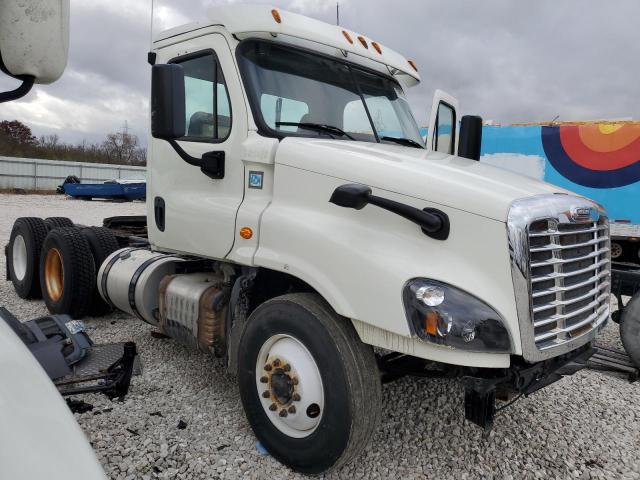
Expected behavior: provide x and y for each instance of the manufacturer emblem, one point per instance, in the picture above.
(255, 179)
(584, 214)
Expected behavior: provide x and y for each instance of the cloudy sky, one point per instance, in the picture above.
(509, 61)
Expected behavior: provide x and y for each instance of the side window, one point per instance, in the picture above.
(277, 109)
(207, 107)
(444, 135)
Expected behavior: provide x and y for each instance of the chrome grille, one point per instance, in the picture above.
(569, 279)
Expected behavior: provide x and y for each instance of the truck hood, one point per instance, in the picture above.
(434, 177)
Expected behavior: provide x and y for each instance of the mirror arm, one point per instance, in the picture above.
(211, 163)
(196, 162)
(21, 91)
(434, 222)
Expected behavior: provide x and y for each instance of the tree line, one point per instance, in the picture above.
(122, 148)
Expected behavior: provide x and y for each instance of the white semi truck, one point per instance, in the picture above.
(298, 227)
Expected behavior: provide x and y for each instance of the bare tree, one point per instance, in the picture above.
(122, 147)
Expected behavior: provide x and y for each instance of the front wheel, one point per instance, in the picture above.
(310, 388)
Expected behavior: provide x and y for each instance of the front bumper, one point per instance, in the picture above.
(520, 378)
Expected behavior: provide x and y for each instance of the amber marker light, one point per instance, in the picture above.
(431, 323)
(376, 46)
(413, 65)
(347, 36)
(276, 15)
(246, 233)
(363, 42)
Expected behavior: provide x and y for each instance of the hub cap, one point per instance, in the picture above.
(19, 257)
(289, 386)
(54, 274)
(616, 250)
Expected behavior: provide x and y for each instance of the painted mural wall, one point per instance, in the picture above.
(598, 160)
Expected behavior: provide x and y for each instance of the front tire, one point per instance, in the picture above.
(310, 388)
(630, 329)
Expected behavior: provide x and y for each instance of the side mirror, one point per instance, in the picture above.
(351, 196)
(470, 137)
(167, 102)
(34, 42)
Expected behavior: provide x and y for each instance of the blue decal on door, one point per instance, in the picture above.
(255, 179)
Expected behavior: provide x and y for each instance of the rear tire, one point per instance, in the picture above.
(23, 255)
(630, 329)
(102, 243)
(58, 222)
(67, 272)
(333, 374)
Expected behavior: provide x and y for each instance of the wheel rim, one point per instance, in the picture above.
(19, 257)
(54, 274)
(290, 386)
(616, 250)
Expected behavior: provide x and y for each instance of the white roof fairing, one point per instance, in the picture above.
(243, 21)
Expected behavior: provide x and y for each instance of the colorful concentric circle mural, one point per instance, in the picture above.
(595, 155)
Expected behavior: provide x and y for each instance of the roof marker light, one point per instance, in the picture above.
(376, 46)
(363, 41)
(347, 36)
(276, 15)
(413, 65)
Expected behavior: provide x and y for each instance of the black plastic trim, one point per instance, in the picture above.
(24, 88)
(454, 130)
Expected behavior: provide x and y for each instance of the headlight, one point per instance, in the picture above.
(442, 314)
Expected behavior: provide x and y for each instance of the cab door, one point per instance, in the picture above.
(189, 211)
(442, 135)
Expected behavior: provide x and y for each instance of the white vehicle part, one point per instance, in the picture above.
(19, 254)
(130, 278)
(40, 437)
(443, 97)
(34, 38)
(360, 260)
(244, 21)
(200, 212)
(193, 310)
(285, 365)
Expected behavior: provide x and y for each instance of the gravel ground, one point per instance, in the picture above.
(585, 426)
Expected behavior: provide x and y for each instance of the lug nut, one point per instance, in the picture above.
(294, 380)
(276, 362)
(273, 407)
(266, 394)
(283, 413)
(287, 367)
(264, 379)
(292, 409)
(268, 367)
(296, 397)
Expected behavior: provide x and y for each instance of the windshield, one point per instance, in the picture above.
(295, 92)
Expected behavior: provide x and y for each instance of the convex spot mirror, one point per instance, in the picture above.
(167, 102)
(34, 39)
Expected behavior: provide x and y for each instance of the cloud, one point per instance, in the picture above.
(506, 61)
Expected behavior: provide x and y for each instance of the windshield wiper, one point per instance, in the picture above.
(403, 141)
(319, 127)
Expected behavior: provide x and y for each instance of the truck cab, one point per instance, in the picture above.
(299, 228)
(284, 155)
